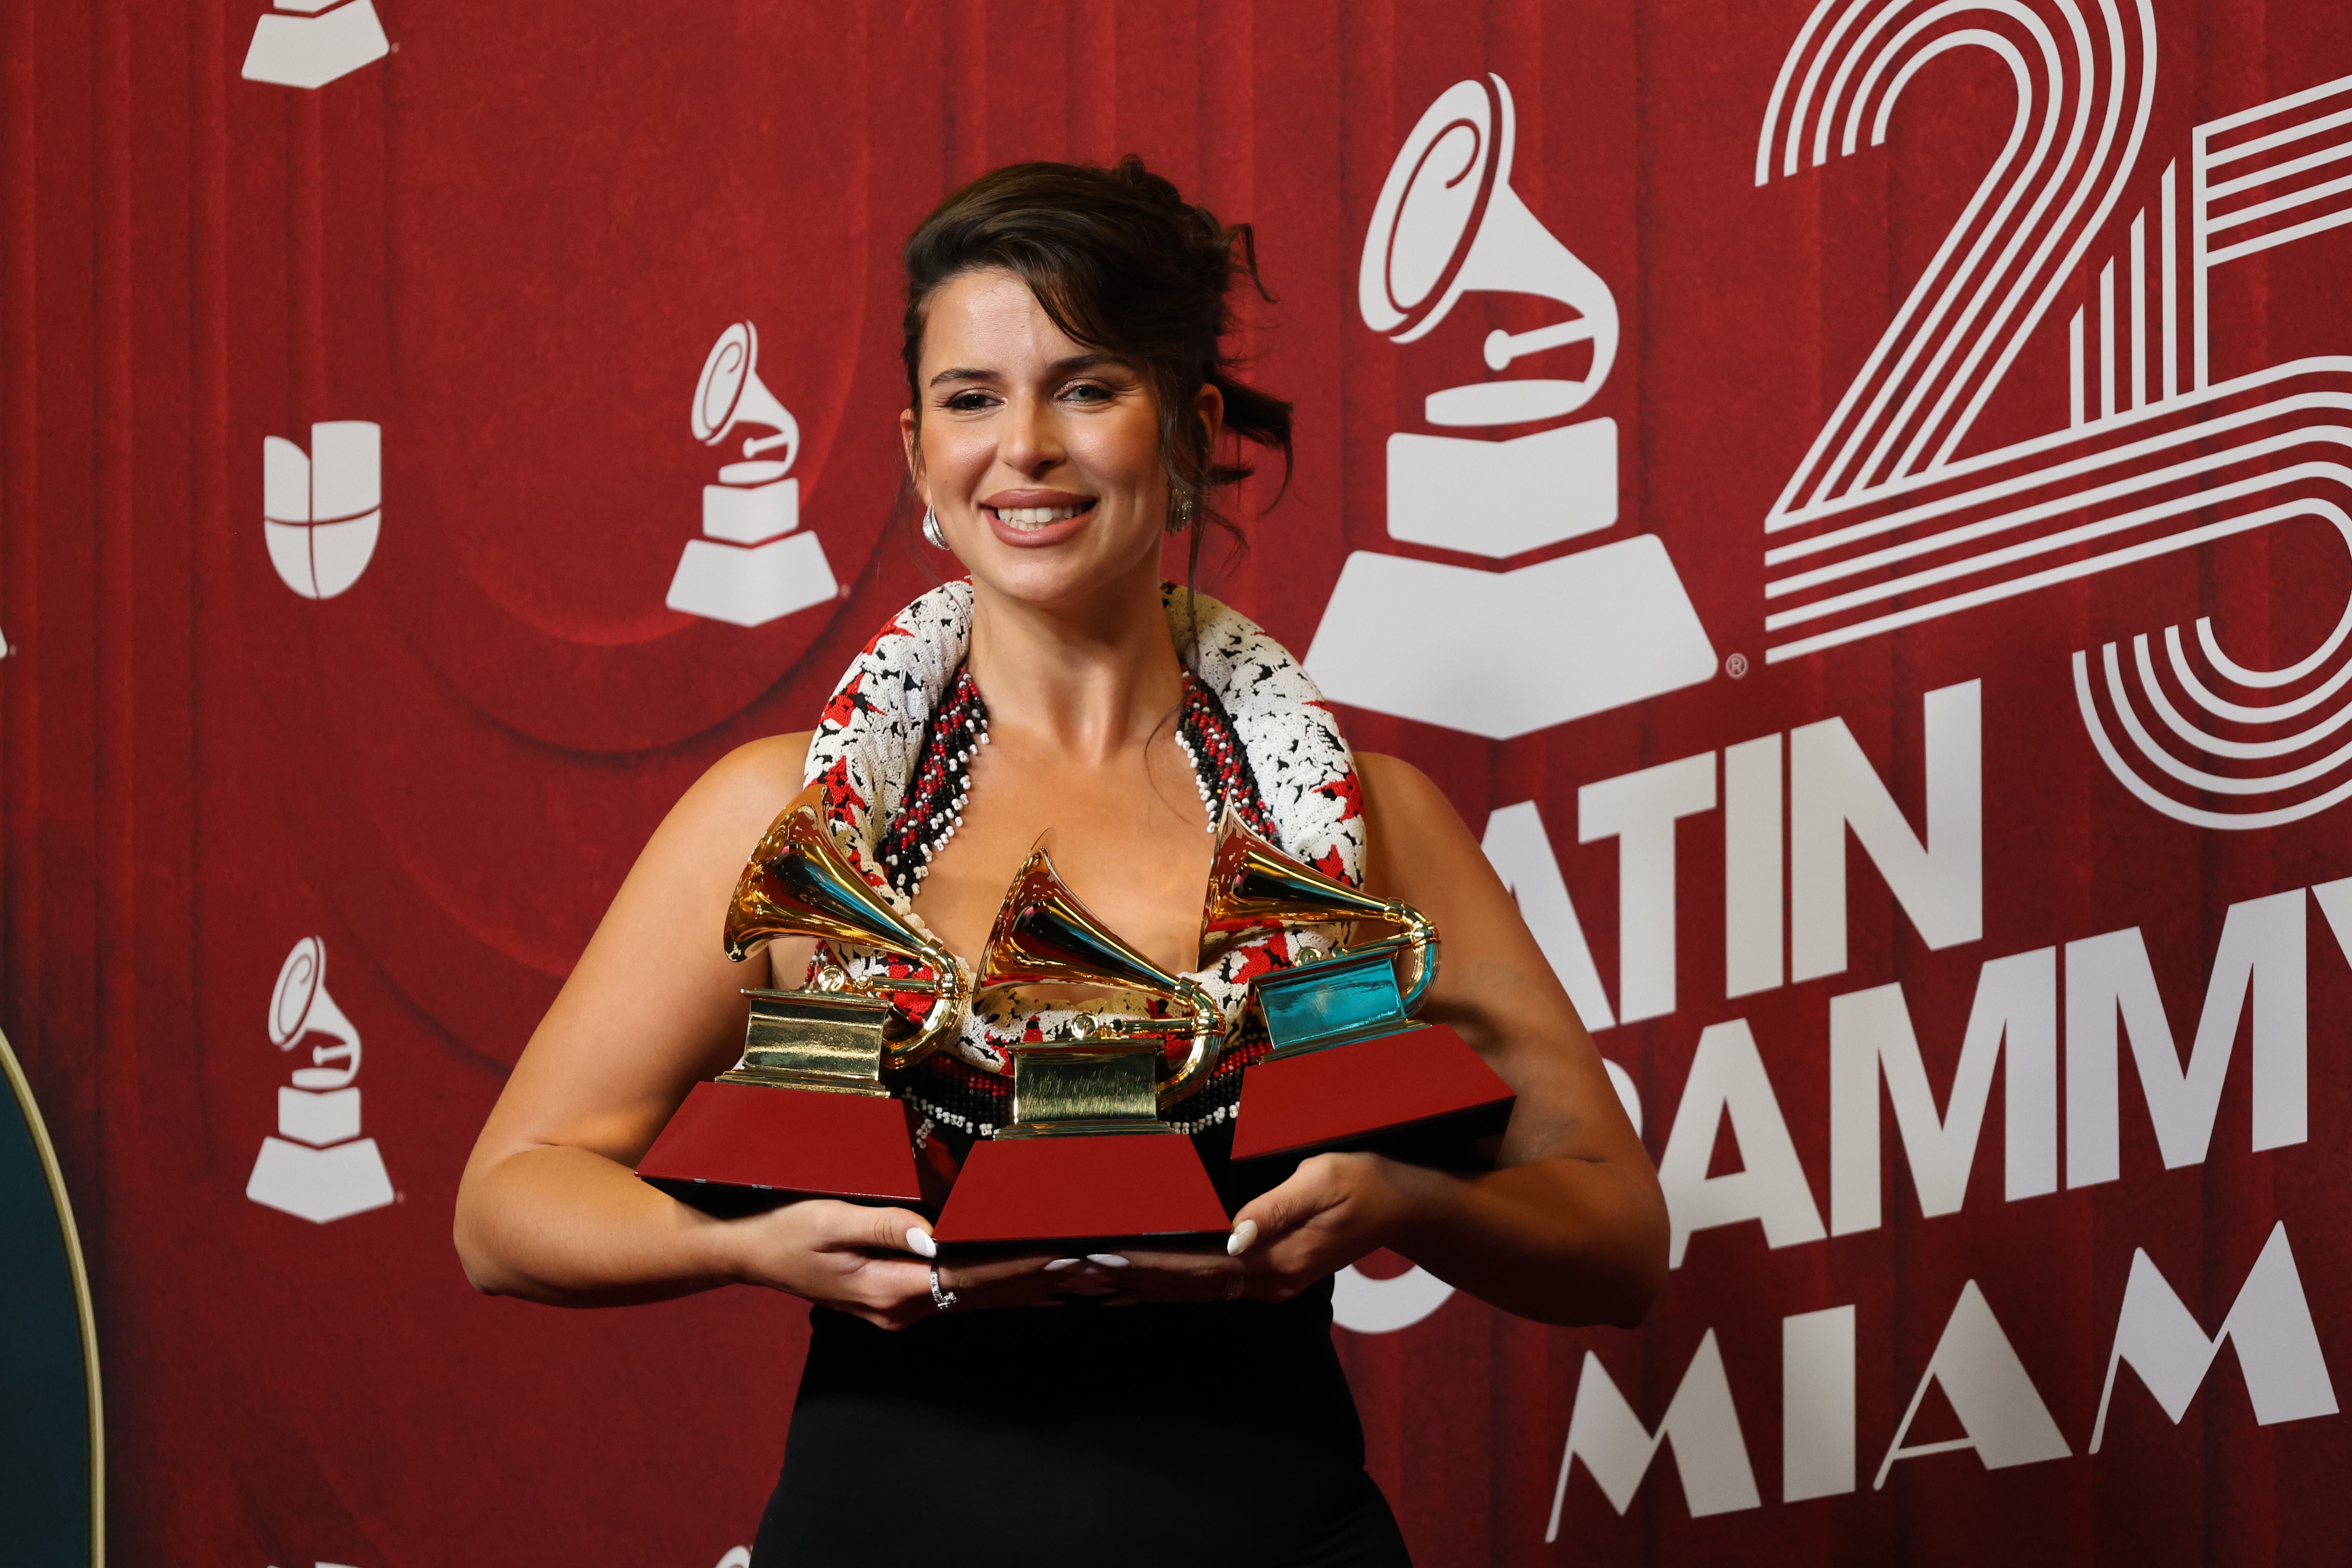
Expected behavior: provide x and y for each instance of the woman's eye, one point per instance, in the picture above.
(1089, 392)
(968, 402)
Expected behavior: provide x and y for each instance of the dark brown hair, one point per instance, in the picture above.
(1123, 264)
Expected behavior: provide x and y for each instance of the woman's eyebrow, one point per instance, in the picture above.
(1062, 367)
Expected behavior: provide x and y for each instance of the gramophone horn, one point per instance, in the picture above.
(1448, 223)
(1044, 936)
(731, 394)
(1254, 886)
(299, 1005)
(799, 883)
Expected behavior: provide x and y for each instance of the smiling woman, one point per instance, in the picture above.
(1067, 394)
(1118, 262)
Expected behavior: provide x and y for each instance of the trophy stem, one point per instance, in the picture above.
(1086, 1155)
(1307, 1047)
(1096, 1086)
(807, 1112)
(826, 1041)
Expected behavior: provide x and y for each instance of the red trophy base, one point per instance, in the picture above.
(1415, 1088)
(1104, 1186)
(784, 1141)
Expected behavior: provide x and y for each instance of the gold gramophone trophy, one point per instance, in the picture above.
(1351, 1069)
(1087, 1156)
(807, 1111)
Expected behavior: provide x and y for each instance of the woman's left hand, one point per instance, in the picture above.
(1334, 1209)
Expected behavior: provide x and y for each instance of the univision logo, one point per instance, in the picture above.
(318, 1167)
(321, 509)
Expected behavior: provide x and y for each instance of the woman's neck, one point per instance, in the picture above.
(1092, 680)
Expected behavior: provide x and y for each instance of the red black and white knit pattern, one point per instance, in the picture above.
(932, 808)
(1259, 733)
(1219, 761)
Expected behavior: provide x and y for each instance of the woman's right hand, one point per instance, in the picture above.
(865, 1261)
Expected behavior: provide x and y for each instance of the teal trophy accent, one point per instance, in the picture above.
(1349, 996)
(1351, 1067)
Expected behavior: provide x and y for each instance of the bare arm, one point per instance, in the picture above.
(1570, 1226)
(548, 1207)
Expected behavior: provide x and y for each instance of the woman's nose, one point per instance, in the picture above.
(1032, 443)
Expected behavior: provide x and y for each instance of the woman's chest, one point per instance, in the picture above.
(1129, 834)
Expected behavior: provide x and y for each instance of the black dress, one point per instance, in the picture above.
(1218, 1433)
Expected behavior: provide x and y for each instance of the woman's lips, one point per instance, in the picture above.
(1037, 526)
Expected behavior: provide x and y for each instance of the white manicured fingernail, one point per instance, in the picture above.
(1108, 1259)
(1239, 1242)
(1061, 1263)
(921, 1244)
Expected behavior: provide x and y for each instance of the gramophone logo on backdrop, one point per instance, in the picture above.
(751, 567)
(310, 43)
(321, 509)
(1497, 653)
(318, 1167)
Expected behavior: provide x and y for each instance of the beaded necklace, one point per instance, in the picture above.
(932, 808)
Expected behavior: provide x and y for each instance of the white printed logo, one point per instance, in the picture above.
(1886, 524)
(310, 43)
(318, 1167)
(321, 510)
(751, 567)
(1497, 653)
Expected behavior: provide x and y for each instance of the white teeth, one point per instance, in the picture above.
(1037, 516)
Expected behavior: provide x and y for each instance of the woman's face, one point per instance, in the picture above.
(1040, 456)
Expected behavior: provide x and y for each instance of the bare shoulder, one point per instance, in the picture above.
(1415, 837)
(765, 770)
(733, 802)
(661, 920)
(1395, 792)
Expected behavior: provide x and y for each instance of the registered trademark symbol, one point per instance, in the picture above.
(1736, 665)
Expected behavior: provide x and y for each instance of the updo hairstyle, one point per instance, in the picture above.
(1124, 264)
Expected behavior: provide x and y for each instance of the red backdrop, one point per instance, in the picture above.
(508, 243)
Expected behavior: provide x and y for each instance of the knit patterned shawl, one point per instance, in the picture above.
(870, 742)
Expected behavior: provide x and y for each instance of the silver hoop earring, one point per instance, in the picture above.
(931, 530)
(1180, 516)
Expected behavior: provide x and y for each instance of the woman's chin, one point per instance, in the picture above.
(1069, 575)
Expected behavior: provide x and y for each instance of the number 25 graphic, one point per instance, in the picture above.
(1882, 526)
